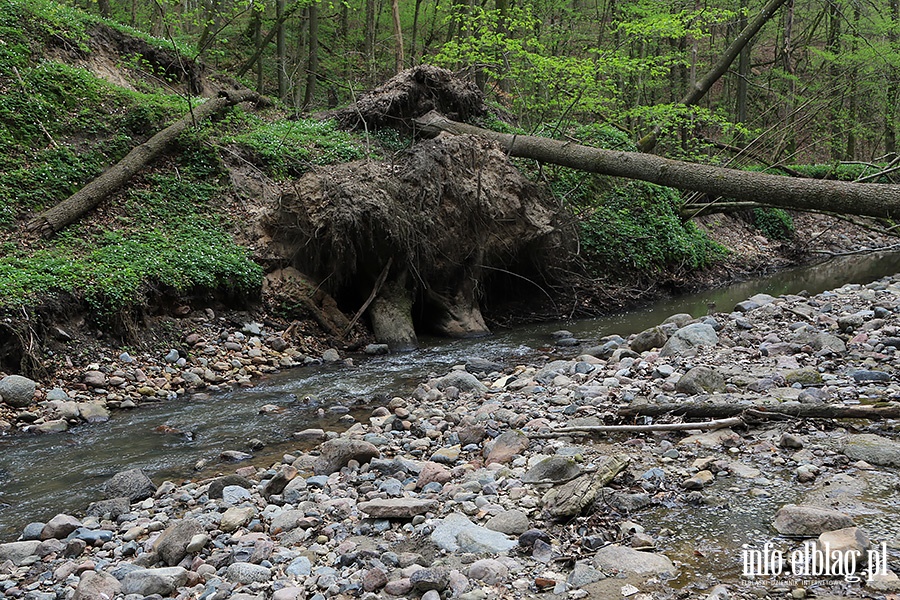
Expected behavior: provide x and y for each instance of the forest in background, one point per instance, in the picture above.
(819, 82)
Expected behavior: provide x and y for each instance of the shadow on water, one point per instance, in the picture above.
(43, 475)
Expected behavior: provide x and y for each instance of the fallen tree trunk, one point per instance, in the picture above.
(866, 199)
(762, 411)
(72, 208)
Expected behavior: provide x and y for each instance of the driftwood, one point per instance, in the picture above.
(589, 429)
(762, 411)
(866, 199)
(72, 208)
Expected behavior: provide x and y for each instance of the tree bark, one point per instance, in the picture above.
(398, 37)
(699, 89)
(312, 63)
(866, 199)
(88, 197)
(280, 50)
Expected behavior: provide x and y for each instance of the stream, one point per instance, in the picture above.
(41, 476)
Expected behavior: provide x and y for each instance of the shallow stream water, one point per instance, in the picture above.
(43, 475)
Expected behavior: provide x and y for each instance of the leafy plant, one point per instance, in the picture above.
(290, 148)
(774, 223)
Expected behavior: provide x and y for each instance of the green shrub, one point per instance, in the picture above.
(635, 225)
(774, 223)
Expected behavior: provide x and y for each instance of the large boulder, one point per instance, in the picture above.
(628, 560)
(172, 544)
(335, 454)
(808, 521)
(96, 585)
(17, 391)
(700, 380)
(689, 338)
(132, 484)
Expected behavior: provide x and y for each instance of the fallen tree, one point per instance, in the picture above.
(72, 208)
(706, 410)
(865, 199)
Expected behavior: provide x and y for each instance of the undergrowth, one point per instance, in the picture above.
(290, 148)
(165, 241)
(628, 226)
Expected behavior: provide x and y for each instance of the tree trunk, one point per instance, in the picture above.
(88, 197)
(700, 88)
(280, 53)
(312, 63)
(257, 42)
(415, 32)
(743, 75)
(369, 40)
(893, 88)
(268, 39)
(398, 37)
(867, 199)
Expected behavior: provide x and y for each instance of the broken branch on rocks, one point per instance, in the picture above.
(763, 411)
(590, 429)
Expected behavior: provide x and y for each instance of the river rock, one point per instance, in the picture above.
(480, 365)
(132, 484)
(374, 580)
(506, 446)
(553, 469)
(689, 338)
(655, 337)
(874, 449)
(17, 391)
(277, 484)
(433, 472)
(217, 486)
(154, 581)
(172, 544)
(96, 585)
(584, 574)
(700, 380)
(488, 570)
(869, 376)
(435, 578)
(246, 573)
(461, 380)
(18, 552)
(95, 379)
(235, 517)
(59, 527)
(336, 453)
(93, 412)
(808, 521)
(456, 532)
(623, 559)
(397, 508)
(849, 539)
(511, 522)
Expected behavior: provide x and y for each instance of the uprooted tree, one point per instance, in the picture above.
(419, 231)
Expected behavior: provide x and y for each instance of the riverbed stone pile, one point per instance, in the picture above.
(479, 485)
(213, 355)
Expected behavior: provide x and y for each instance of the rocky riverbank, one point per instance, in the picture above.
(212, 353)
(467, 489)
